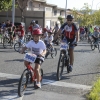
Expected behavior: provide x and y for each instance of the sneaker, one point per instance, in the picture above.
(70, 68)
(38, 85)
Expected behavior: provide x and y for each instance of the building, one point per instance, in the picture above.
(45, 14)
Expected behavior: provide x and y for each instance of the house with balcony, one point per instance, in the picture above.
(45, 14)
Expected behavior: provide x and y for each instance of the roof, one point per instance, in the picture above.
(40, 0)
(52, 5)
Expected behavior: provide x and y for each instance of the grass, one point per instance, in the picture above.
(95, 92)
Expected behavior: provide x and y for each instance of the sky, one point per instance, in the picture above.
(78, 4)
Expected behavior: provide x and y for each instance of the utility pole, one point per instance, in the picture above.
(13, 12)
(66, 10)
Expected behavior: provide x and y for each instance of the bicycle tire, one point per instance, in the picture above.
(5, 42)
(20, 91)
(67, 63)
(47, 54)
(17, 48)
(98, 47)
(11, 43)
(92, 46)
(53, 55)
(60, 68)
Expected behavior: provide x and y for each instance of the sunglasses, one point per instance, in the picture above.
(69, 20)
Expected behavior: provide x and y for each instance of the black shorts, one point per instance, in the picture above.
(38, 61)
(70, 40)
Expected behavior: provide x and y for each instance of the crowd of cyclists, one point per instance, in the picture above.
(89, 32)
(41, 38)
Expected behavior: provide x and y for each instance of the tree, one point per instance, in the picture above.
(61, 20)
(22, 5)
(5, 4)
(86, 18)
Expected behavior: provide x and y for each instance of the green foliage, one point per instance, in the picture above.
(87, 18)
(61, 20)
(5, 4)
(95, 92)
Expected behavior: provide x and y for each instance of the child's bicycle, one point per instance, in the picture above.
(52, 51)
(29, 75)
(18, 45)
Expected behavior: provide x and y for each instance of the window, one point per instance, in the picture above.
(30, 5)
(39, 5)
(48, 9)
(60, 13)
(55, 12)
(52, 23)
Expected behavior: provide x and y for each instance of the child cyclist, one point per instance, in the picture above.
(96, 35)
(37, 47)
(20, 32)
(49, 39)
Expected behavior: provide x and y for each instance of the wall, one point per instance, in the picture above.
(28, 16)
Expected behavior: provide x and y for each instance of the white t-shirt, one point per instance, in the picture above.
(36, 48)
(49, 39)
(46, 35)
(56, 28)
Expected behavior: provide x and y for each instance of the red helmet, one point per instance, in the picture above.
(49, 31)
(36, 31)
(20, 26)
(44, 29)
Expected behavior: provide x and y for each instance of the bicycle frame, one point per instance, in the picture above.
(29, 67)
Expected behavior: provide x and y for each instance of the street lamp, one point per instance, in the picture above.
(97, 5)
(13, 12)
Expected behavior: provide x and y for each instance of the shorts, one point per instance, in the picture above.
(10, 33)
(38, 61)
(72, 41)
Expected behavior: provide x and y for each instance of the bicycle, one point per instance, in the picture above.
(51, 50)
(95, 45)
(18, 45)
(64, 59)
(28, 37)
(7, 40)
(29, 75)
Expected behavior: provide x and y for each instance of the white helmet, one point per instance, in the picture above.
(33, 21)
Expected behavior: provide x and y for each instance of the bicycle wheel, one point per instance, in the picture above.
(5, 42)
(23, 83)
(54, 53)
(92, 46)
(47, 54)
(67, 63)
(98, 47)
(60, 67)
(11, 43)
(17, 47)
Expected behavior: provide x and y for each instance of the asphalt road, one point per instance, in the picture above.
(73, 86)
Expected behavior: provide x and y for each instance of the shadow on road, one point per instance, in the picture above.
(7, 85)
(85, 74)
(83, 51)
(19, 60)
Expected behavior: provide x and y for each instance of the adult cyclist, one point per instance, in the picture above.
(71, 35)
(35, 25)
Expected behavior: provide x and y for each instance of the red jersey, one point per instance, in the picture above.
(30, 29)
(20, 33)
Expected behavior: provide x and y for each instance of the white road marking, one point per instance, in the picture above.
(46, 82)
(50, 82)
(11, 97)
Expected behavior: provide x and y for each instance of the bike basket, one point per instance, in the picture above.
(63, 46)
(30, 57)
